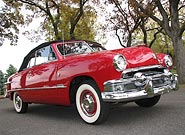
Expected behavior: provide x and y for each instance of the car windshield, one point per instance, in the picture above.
(78, 48)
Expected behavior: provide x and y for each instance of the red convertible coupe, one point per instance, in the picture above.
(86, 74)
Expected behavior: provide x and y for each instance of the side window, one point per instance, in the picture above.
(32, 60)
(42, 55)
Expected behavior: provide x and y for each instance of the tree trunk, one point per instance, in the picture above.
(72, 35)
(179, 49)
(176, 37)
(142, 26)
(129, 42)
(57, 36)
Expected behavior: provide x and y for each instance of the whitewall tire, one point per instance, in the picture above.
(89, 104)
(19, 105)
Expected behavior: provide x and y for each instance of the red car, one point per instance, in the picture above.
(84, 73)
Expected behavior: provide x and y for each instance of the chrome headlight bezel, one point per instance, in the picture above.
(168, 61)
(119, 62)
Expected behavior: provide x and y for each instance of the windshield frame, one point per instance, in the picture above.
(71, 48)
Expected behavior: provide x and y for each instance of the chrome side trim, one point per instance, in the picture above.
(40, 88)
(61, 86)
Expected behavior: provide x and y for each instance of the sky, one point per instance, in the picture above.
(14, 54)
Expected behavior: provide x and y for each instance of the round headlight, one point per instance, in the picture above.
(119, 62)
(168, 61)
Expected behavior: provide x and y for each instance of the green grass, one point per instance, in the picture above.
(182, 85)
(173, 71)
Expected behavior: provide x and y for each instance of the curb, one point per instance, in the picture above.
(1, 97)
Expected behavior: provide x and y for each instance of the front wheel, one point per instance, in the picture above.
(19, 105)
(89, 103)
(148, 102)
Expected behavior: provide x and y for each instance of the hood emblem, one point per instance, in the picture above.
(154, 56)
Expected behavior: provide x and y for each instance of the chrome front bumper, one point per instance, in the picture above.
(139, 86)
(6, 89)
(5, 93)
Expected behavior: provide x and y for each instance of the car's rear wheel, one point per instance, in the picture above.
(89, 103)
(148, 102)
(19, 105)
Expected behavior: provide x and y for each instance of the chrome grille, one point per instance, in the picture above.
(156, 73)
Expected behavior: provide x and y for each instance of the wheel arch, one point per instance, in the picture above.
(11, 95)
(75, 83)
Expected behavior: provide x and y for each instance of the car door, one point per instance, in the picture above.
(41, 77)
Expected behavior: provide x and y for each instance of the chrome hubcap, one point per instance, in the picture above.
(88, 103)
(18, 102)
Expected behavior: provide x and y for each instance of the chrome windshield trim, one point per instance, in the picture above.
(6, 83)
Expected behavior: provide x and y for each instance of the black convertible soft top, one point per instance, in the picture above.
(26, 58)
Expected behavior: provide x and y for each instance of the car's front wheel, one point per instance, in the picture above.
(19, 105)
(89, 103)
(148, 102)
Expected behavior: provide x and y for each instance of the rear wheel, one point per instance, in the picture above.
(19, 105)
(89, 103)
(148, 102)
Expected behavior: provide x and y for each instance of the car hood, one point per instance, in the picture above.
(137, 56)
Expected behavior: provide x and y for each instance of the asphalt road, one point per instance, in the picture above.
(166, 118)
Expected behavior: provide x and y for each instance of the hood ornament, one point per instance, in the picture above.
(154, 56)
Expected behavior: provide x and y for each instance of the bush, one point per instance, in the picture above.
(1, 92)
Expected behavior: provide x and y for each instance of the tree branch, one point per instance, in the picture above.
(140, 6)
(183, 6)
(122, 13)
(116, 28)
(162, 11)
(77, 18)
(119, 38)
(155, 37)
(54, 23)
(58, 13)
(33, 4)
